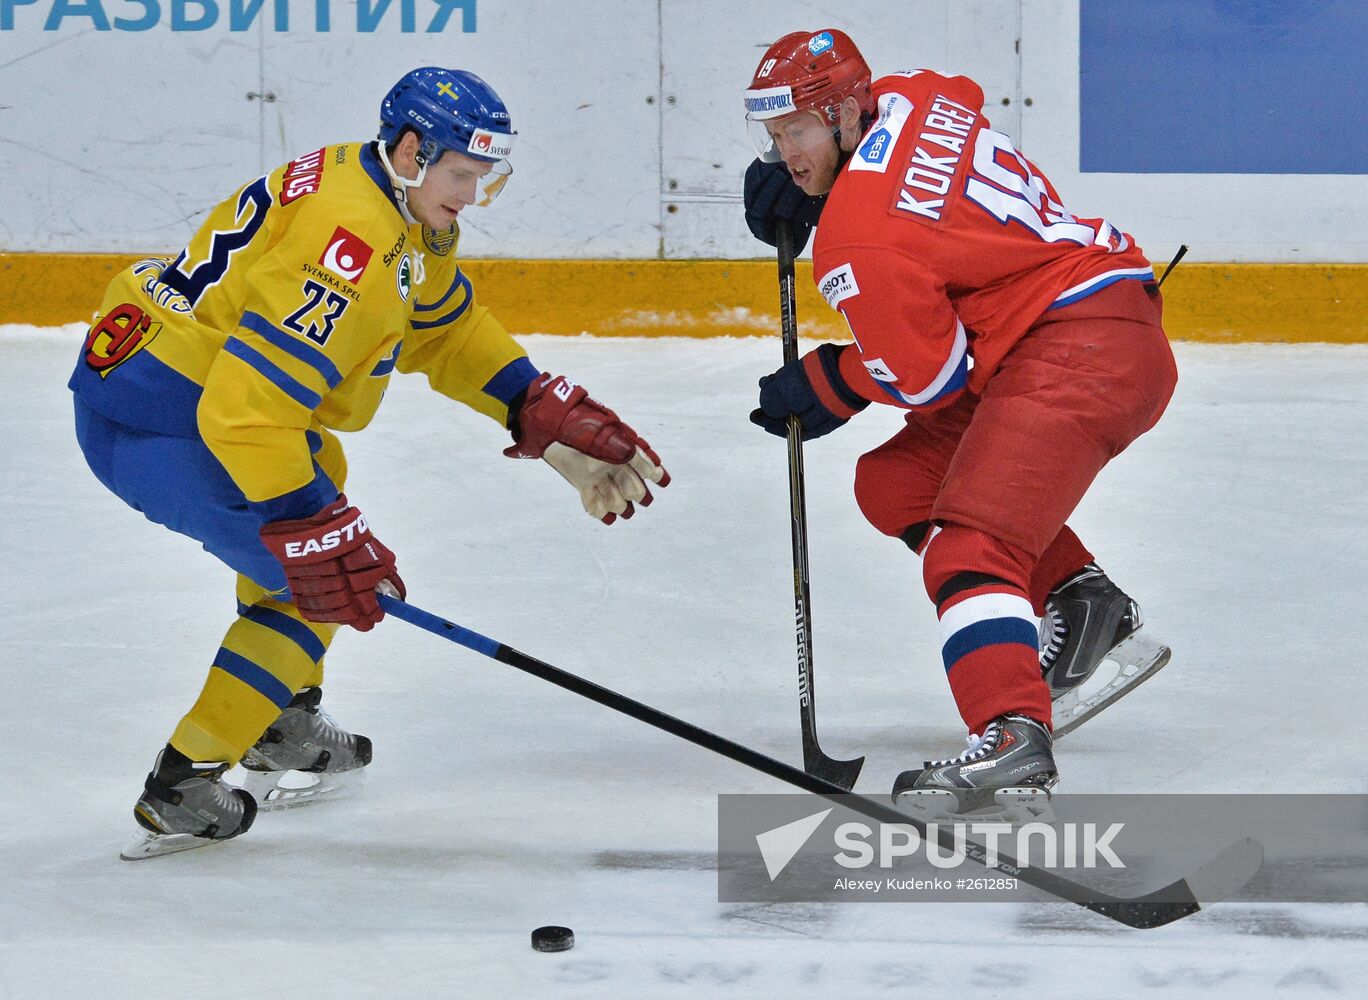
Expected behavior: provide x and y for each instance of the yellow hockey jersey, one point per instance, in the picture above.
(285, 314)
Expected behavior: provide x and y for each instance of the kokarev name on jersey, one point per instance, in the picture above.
(947, 125)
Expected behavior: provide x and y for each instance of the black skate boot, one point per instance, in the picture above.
(1089, 622)
(186, 804)
(304, 756)
(1005, 774)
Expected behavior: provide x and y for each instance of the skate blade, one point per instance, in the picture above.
(149, 845)
(276, 790)
(1016, 805)
(1126, 666)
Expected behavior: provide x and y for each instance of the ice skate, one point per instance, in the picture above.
(186, 805)
(1003, 776)
(304, 757)
(1092, 647)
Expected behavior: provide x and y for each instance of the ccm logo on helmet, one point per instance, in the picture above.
(328, 541)
(498, 145)
(838, 285)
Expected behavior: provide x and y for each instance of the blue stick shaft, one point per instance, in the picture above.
(429, 622)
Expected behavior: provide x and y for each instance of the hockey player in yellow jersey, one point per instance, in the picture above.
(209, 387)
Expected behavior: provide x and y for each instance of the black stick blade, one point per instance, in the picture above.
(838, 772)
(1220, 878)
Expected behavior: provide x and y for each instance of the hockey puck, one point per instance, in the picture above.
(553, 939)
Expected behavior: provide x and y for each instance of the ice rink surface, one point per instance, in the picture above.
(498, 803)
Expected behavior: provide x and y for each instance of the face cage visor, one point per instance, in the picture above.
(489, 185)
(803, 132)
(777, 127)
(492, 148)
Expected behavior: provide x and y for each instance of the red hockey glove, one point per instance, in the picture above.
(333, 564)
(583, 440)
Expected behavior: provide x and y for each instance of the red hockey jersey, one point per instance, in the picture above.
(941, 245)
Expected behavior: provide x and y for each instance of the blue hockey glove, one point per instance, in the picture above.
(812, 389)
(772, 195)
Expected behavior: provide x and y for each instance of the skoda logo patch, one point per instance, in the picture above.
(403, 277)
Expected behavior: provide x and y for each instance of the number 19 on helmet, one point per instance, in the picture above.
(813, 71)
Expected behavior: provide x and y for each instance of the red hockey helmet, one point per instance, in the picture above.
(807, 71)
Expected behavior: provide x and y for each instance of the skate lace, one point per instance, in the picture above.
(325, 728)
(223, 799)
(978, 746)
(1054, 633)
(220, 795)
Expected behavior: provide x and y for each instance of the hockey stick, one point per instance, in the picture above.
(815, 760)
(1182, 252)
(1212, 881)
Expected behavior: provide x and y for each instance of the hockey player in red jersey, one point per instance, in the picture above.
(1024, 344)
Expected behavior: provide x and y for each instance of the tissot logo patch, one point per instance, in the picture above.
(837, 285)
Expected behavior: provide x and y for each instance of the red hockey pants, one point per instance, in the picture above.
(999, 474)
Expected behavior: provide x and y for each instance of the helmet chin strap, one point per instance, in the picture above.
(843, 155)
(400, 183)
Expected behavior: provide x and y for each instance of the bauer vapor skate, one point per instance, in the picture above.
(1003, 776)
(1092, 648)
(304, 757)
(186, 804)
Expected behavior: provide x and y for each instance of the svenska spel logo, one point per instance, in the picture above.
(346, 255)
(495, 145)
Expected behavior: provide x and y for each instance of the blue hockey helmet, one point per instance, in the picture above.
(450, 109)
